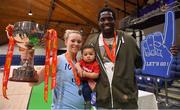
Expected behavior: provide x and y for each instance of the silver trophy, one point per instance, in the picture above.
(27, 35)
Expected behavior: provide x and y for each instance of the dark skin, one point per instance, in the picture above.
(174, 50)
(106, 24)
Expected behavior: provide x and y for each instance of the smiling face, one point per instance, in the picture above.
(88, 55)
(107, 23)
(73, 43)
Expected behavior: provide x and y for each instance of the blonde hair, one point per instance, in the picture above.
(68, 32)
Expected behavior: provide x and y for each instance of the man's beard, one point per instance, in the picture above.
(108, 34)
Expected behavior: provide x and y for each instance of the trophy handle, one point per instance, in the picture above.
(9, 30)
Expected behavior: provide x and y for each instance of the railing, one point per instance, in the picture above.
(149, 12)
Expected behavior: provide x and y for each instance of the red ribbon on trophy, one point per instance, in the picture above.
(7, 66)
(51, 39)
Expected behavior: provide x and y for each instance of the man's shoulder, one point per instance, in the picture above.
(125, 35)
(92, 38)
(122, 33)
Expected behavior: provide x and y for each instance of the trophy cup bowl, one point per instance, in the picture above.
(27, 35)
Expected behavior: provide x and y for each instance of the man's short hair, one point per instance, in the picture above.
(107, 9)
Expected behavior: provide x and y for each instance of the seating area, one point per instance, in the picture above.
(175, 67)
(166, 88)
(174, 74)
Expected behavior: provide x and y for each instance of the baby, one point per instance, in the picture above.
(88, 69)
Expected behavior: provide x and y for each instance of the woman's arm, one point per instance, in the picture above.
(40, 74)
(91, 75)
(83, 73)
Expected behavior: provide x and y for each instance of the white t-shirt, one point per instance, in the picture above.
(108, 64)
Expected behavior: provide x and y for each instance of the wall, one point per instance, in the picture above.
(61, 44)
(3, 36)
(38, 50)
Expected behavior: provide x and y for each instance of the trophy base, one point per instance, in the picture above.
(24, 74)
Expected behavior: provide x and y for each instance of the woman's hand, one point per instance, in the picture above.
(39, 76)
(79, 69)
(35, 83)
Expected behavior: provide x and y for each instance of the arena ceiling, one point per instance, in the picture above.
(62, 14)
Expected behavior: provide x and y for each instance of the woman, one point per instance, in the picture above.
(66, 94)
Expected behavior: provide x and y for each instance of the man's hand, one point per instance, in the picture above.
(174, 50)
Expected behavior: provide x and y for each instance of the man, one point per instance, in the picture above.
(118, 56)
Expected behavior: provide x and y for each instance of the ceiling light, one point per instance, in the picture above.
(30, 13)
(81, 30)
